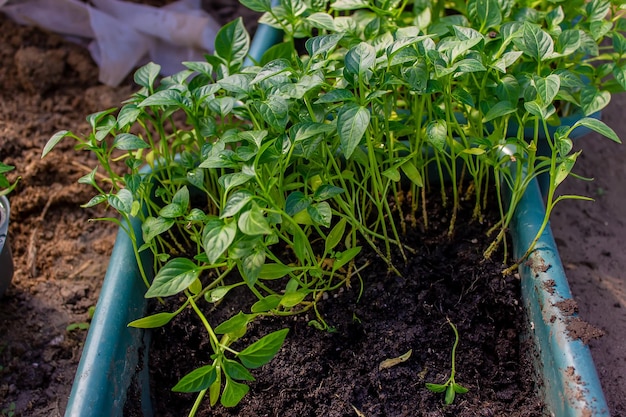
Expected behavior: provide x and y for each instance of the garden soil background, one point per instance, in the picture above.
(48, 84)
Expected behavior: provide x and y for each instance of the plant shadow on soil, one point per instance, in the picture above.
(320, 373)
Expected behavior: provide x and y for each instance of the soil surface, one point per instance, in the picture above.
(48, 84)
(342, 373)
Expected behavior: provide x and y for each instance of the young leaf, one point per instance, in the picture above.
(593, 100)
(266, 304)
(275, 112)
(274, 271)
(449, 399)
(296, 202)
(232, 43)
(359, 61)
(352, 122)
(153, 321)
(335, 235)
(412, 173)
(436, 388)
(459, 389)
(263, 350)
(235, 323)
(233, 392)
(235, 370)
(251, 265)
(321, 45)
(260, 6)
(122, 201)
(537, 43)
(153, 227)
(547, 88)
(345, 257)
(217, 237)
(253, 222)
(320, 213)
(53, 141)
(599, 127)
(292, 299)
(129, 142)
(174, 277)
(437, 133)
(146, 75)
(235, 203)
(197, 380)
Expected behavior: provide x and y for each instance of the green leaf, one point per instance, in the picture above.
(547, 88)
(251, 266)
(619, 72)
(230, 181)
(352, 122)
(274, 271)
(53, 141)
(296, 202)
(95, 201)
(320, 213)
(172, 211)
(122, 201)
(233, 392)
(153, 227)
(334, 96)
(217, 237)
(321, 45)
(232, 43)
(270, 69)
(197, 380)
(449, 395)
(127, 115)
(235, 370)
(459, 389)
(153, 321)
(437, 388)
(341, 5)
(263, 350)
(146, 75)
(218, 293)
(326, 191)
(537, 43)
(275, 112)
(486, 13)
(257, 5)
(437, 134)
(346, 256)
(599, 127)
(235, 324)
(359, 61)
(266, 304)
(322, 20)
(253, 222)
(163, 98)
(292, 299)
(129, 142)
(335, 235)
(174, 277)
(235, 203)
(593, 100)
(412, 173)
(500, 109)
(306, 130)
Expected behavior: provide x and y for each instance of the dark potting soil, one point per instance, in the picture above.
(320, 373)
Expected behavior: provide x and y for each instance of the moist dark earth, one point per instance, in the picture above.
(61, 258)
(337, 373)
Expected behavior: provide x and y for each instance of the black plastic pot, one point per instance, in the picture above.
(6, 260)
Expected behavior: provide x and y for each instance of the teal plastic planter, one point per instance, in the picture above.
(115, 357)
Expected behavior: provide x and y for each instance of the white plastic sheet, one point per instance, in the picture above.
(123, 35)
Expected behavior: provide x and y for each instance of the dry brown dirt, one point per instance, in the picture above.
(48, 84)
